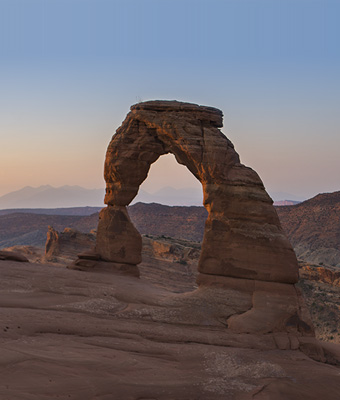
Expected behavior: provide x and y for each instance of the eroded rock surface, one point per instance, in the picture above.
(243, 237)
(244, 249)
(62, 247)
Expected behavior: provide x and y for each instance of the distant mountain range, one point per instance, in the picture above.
(75, 196)
(47, 196)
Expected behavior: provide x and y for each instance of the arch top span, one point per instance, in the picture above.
(210, 115)
(243, 237)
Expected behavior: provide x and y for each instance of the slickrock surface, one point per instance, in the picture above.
(174, 261)
(102, 336)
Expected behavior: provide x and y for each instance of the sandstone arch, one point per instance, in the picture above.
(243, 237)
(244, 250)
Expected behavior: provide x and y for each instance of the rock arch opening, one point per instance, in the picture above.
(170, 183)
(171, 222)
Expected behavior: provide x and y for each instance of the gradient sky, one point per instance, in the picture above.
(70, 69)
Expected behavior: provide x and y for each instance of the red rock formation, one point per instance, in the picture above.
(243, 237)
(244, 250)
(52, 242)
(63, 246)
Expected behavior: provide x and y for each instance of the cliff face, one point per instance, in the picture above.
(313, 227)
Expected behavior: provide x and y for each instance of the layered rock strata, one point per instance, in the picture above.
(244, 245)
(243, 237)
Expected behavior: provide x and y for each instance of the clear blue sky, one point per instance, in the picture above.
(70, 69)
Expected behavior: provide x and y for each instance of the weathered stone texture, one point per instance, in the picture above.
(117, 239)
